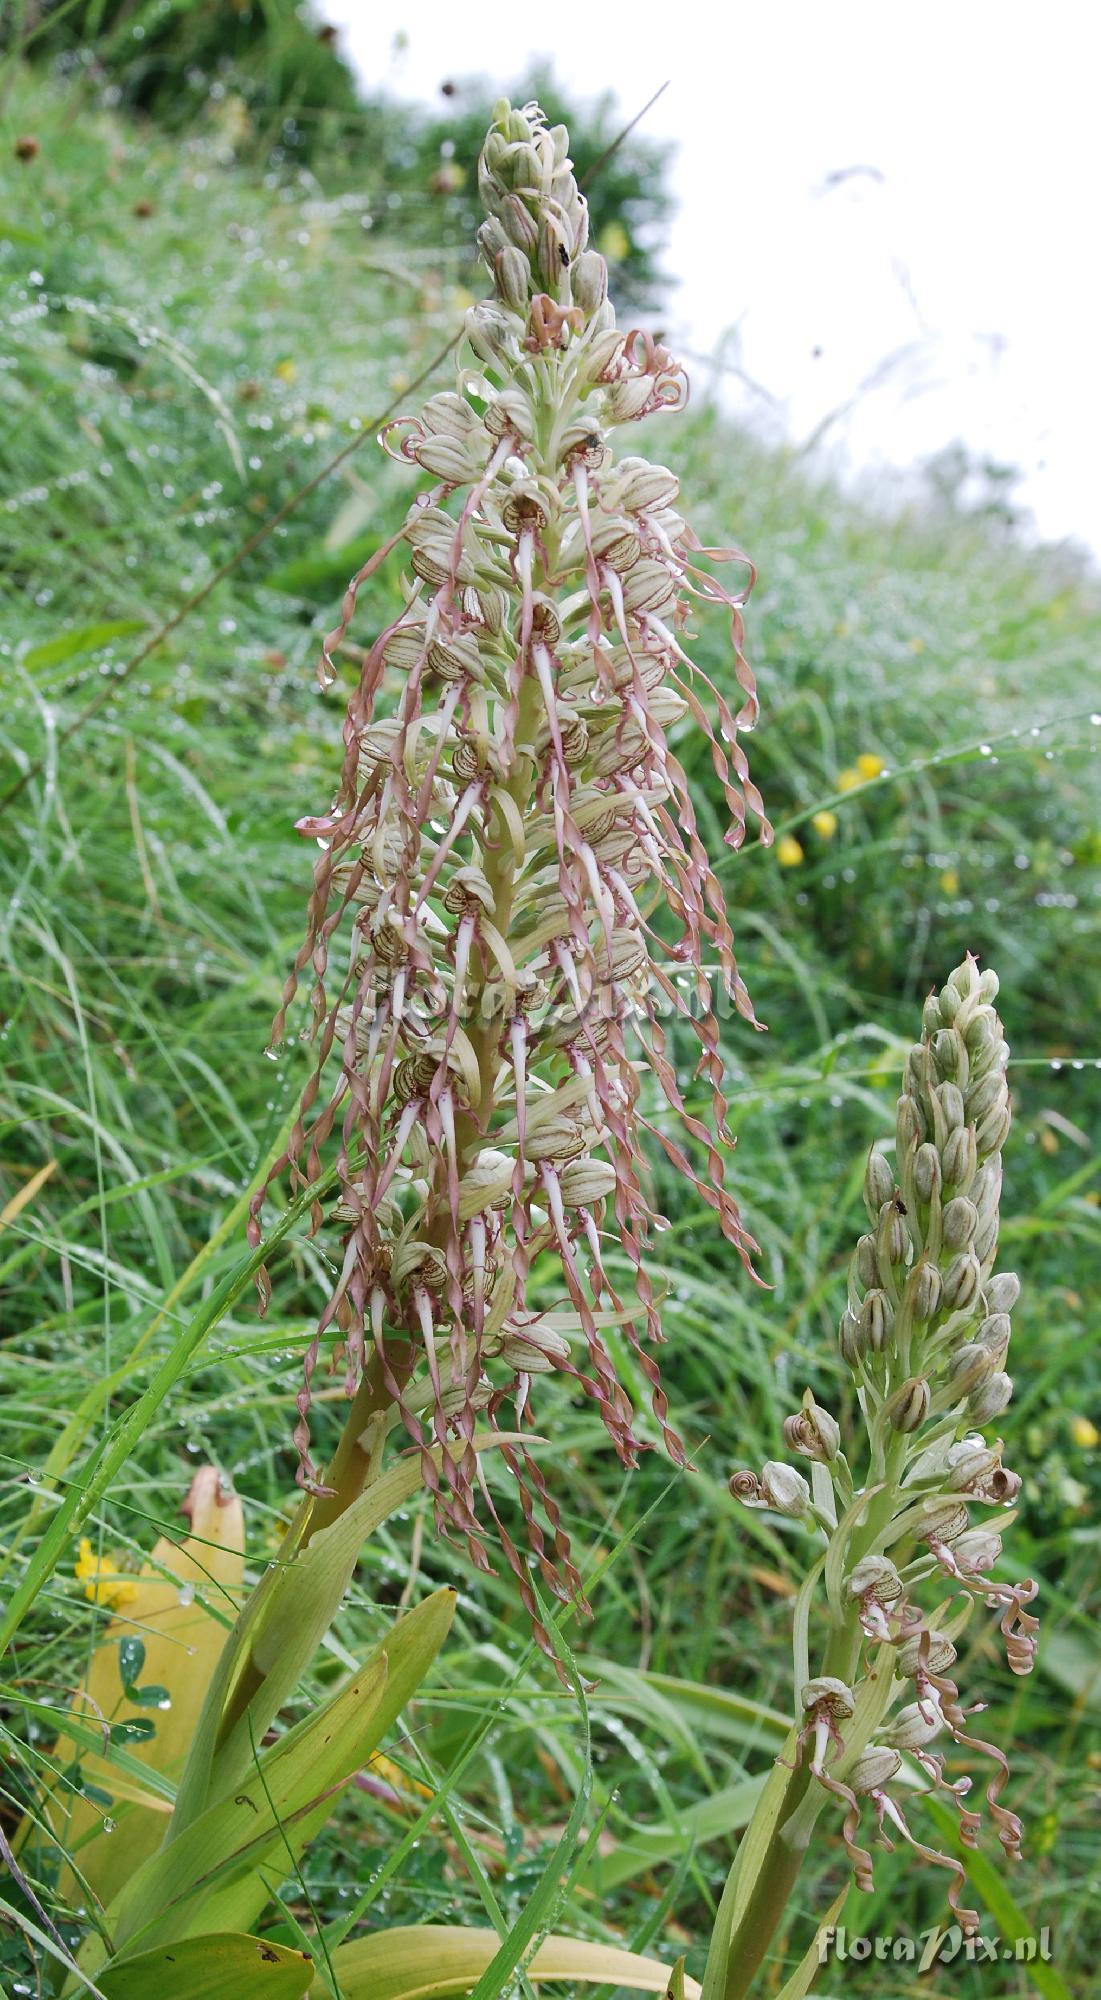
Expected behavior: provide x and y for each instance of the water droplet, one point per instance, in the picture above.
(186, 1594)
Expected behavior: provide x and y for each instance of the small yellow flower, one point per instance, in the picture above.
(848, 780)
(869, 765)
(950, 882)
(102, 1583)
(286, 371)
(1085, 1434)
(825, 824)
(788, 851)
(614, 242)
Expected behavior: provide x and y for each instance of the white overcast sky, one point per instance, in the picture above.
(967, 247)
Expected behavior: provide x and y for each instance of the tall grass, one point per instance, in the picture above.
(172, 377)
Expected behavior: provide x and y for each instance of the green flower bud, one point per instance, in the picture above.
(915, 1725)
(994, 1332)
(958, 1157)
(924, 1290)
(891, 1236)
(908, 1407)
(812, 1432)
(949, 1098)
(850, 1338)
(970, 1366)
(927, 1172)
(946, 1053)
(874, 1768)
(959, 1221)
(909, 1126)
(961, 1281)
(879, 1184)
(866, 1261)
(876, 1321)
(965, 978)
(990, 1400)
(1002, 1292)
(784, 1490)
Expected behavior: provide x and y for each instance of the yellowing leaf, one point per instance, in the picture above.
(182, 1640)
(222, 1967)
(430, 1962)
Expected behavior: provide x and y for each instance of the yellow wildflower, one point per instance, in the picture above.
(825, 824)
(1085, 1433)
(788, 851)
(950, 882)
(102, 1583)
(869, 765)
(286, 370)
(614, 242)
(848, 780)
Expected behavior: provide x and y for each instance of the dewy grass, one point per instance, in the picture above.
(909, 638)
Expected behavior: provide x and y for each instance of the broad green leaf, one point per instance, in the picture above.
(409, 1650)
(430, 1962)
(84, 639)
(752, 1849)
(304, 1770)
(279, 1631)
(222, 1966)
(162, 1901)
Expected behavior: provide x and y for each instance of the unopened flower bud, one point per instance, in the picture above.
(970, 1366)
(879, 1184)
(812, 1432)
(949, 1098)
(959, 1156)
(927, 1172)
(990, 1400)
(961, 1281)
(924, 1289)
(1002, 1292)
(919, 1723)
(876, 1321)
(512, 278)
(909, 1126)
(908, 1407)
(994, 1332)
(958, 1223)
(965, 978)
(850, 1338)
(989, 985)
(991, 1134)
(891, 1235)
(991, 1093)
(589, 281)
(866, 1261)
(946, 1052)
(784, 1490)
(874, 1768)
(533, 1348)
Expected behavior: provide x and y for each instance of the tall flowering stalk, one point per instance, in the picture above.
(512, 896)
(911, 1533)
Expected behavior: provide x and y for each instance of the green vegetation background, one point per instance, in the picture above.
(200, 310)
